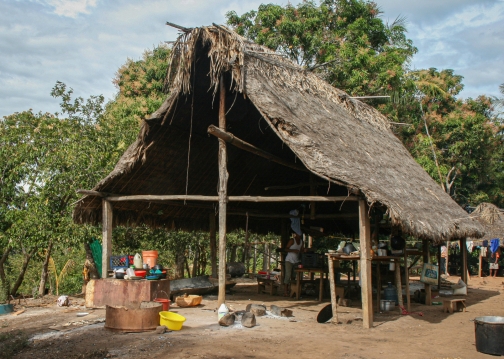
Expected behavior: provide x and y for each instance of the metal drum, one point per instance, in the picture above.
(489, 335)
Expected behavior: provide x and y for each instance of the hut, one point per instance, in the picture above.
(246, 132)
(491, 219)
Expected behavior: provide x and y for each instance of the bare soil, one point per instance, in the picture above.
(57, 332)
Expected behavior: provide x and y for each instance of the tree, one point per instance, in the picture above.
(344, 41)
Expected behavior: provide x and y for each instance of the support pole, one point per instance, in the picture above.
(439, 265)
(398, 284)
(463, 250)
(365, 265)
(480, 264)
(106, 237)
(223, 179)
(332, 287)
(213, 244)
(426, 259)
(406, 280)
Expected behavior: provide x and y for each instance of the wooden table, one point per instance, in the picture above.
(312, 271)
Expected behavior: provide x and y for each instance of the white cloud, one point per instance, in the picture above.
(71, 8)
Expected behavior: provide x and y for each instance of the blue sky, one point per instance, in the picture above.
(83, 42)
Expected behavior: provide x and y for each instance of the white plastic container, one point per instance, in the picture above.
(223, 310)
(137, 261)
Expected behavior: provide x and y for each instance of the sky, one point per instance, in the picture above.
(84, 42)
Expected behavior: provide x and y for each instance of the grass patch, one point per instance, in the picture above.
(12, 343)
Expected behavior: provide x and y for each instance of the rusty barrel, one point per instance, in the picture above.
(489, 332)
(140, 318)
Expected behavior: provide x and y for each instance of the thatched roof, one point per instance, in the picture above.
(285, 110)
(492, 220)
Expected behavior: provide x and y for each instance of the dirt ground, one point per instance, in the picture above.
(44, 330)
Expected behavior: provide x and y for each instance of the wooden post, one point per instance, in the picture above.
(213, 244)
(448, 244)
(223, 179)
(313, 192)
(332, 287)
(106, 237)
(378, 287)
(406, 279)
(265, 257)
(463, 250)
(439, 264)
(365, 265)
(426, 259)
(398, 284)
(480, 264)
(284, 239)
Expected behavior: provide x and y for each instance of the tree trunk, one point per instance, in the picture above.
(195, 262)
(90, 263)
(233, 253)
(4, 287)
(21, 275)
(187, 267)
(179, 272)
(45, 266)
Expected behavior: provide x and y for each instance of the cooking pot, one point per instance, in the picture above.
(120, 275)
(158, 267)
(397, 243)
(349, 248)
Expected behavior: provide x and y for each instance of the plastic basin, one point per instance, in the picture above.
(172, 321)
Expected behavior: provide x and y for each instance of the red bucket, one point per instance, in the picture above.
(165, 302)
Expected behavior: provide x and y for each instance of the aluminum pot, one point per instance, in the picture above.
(349, 248)
(489, 331)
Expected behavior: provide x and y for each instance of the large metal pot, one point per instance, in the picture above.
(489, 332)
(349, 248)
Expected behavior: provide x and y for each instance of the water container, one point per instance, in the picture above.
(223, 310)
(137, 261)
(390, 293)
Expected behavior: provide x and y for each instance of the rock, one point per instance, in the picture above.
(161, 329)
(280, 311)
(257, 309)
(248, 320)
(227, 320)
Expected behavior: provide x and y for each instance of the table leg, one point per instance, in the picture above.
(298, 285)
(321, 290)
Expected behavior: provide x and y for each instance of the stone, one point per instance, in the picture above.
(257, 309)
(227, 320)
(248, 320)
(281, 311)
(161, 329)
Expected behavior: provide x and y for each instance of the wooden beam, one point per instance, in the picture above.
(106, 237)
(223, 180)
(439, 265)
(176, 197)
(398, 283)
(298, 185)
(365, 265)
(332, 286)
(235, 141)
(213, 244)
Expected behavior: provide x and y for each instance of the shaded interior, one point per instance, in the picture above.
(182, 159)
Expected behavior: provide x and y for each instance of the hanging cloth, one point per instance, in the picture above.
(295, 222)
(483, 251)
(494, 245)
(470, 246)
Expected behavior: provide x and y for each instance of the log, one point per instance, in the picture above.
(177, 197)
(106, 237)
(235, 141)
(223, 179)
(365, 263)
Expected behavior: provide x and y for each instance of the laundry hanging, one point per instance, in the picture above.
(494, 245)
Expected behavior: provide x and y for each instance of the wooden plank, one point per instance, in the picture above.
(213, 244)
(176, 197)
(365, 265)
(332, 287)
(406, 278)
(426, 259)
(235, 141)
(223, 179)
(106, 237)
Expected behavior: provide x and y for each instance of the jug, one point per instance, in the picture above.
(137, 261)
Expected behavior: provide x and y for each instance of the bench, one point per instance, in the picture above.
(451, 305)
(265, 285)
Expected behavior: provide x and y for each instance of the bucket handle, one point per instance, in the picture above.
(167, 296)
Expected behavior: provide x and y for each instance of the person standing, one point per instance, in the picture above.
(293, 248)
(444, 256)
(494, 265)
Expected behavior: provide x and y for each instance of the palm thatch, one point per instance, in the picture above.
(492, 220)
(285, 110)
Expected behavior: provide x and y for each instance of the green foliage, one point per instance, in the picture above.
(345, 41)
